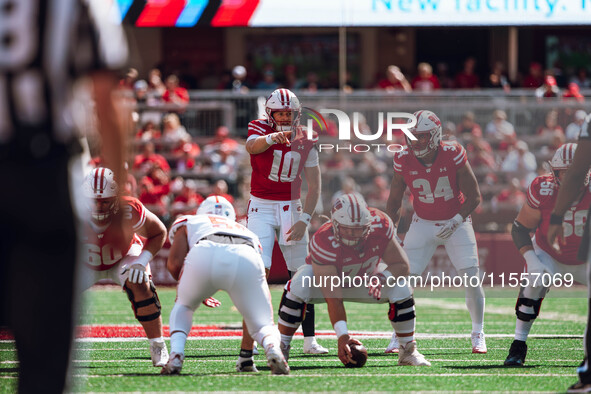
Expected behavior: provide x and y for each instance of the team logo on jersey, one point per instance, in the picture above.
(414, 173)
(376, 248)
(285, 208)
(442, 169)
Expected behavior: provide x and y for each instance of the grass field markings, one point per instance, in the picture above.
(330, 358)
(315, 375)
(501, 310)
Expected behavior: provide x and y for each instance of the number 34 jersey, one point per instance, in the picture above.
(541, 195)
(276, 172)
(435, 190)
(104, 247)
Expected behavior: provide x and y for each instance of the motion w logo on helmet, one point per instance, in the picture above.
(316, 121)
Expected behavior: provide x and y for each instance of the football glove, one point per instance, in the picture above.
(450, 227)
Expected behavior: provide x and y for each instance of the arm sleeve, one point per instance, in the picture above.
(312, 160)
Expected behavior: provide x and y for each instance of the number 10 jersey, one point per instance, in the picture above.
(276, 172)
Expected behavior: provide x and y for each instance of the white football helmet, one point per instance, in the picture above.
(562, 160)
(283, 100)
(350, 219)
(102, 193)
(217, 205)
(429, 127)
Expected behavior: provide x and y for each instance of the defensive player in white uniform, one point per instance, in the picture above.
(114, 250)
(357, 242)
(445, 192)
(540, 257)
(279, 152)
(209, 252)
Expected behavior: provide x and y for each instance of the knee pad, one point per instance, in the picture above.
(402, 310)
(291, 310)
(140, 304)
(527, 309)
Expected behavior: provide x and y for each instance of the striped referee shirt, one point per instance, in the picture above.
(45, 46)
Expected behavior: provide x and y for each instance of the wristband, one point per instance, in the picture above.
(306, 218)
(386, 273)
(269, 139)
(556, 219)
(340, 328)
(144, 258)
(458, 218)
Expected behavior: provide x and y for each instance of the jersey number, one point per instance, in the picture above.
(289, 164)
(442, 189)
(574, 223)
(107, 255)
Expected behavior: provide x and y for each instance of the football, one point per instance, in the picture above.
(359, 354)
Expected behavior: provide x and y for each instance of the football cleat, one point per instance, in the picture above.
(478, 343)
(159, 354)
(246, 366)
(409, 355)
(579, 387)
(174, 364)
(285, 350)
(314, 347)
(393, 346)
(276, 361)
(517, 353)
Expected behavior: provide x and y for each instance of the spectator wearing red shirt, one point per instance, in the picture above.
(221, 138)
(148, 132)
(510, 198)
(175, 94)
(535, 78)
(573, 93)
(186, 154)
(549, 89)
(154, 196)
(220, 188)
(395, 80)
(187, 202)
(425, 81)
(148, 158)
(468, 124)
(467, 79)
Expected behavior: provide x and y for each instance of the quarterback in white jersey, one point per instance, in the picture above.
(209, 252)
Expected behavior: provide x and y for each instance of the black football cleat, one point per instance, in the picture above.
(517, 352)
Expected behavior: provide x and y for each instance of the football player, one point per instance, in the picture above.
(114, 250)
(540, 257)
(214, 252)
(445, 192)
(279, 152)
(353, 244)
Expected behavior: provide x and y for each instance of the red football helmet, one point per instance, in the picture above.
(428, 132)
(350, 219)
(282, 100)
(101, 191)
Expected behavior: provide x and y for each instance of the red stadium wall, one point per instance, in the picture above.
(497, 255)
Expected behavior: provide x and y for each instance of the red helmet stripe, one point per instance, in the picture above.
(95, 179)
(353, 217)
(217, 199)
(358, 207)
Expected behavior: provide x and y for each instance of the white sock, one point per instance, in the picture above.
(308, 341)
(404, 327)
(477, 327)
(157, 340)
(522, 329)
(177, 342)
(286, 339)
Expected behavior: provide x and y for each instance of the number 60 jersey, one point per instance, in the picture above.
(276, 171)
(435, 190)
(541, 195)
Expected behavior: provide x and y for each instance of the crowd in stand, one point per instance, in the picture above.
(172, 171)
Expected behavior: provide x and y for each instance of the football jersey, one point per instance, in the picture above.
(541, 195)
(105, 247)
(435, 190)
(276, 172)
(352, 261)
(199, 226)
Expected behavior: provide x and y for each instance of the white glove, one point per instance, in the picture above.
(135, 266)
(450, 227)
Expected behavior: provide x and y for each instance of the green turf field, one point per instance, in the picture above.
(123, 365)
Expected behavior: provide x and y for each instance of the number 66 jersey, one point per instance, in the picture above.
(435, 189)
(541, 195)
